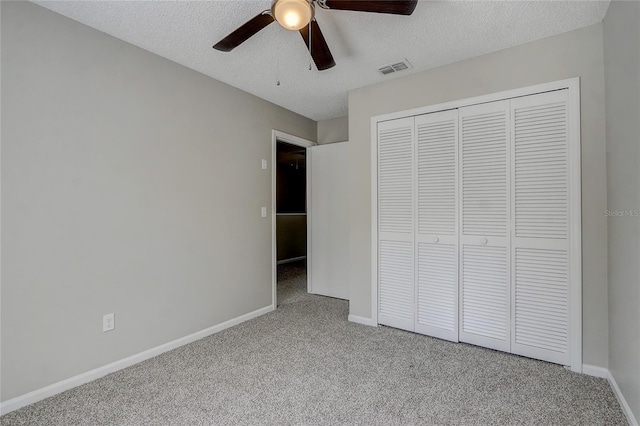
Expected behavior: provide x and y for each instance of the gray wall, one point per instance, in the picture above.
(622, 83)
(130, 184)
(333, 130)
(573, 54)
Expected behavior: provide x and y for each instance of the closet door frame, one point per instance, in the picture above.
(575, 175)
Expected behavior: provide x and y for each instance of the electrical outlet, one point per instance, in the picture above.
(108, 322)
(264, 164)
(263, 212)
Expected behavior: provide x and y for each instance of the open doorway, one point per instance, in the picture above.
(291, 221)
(290, 205)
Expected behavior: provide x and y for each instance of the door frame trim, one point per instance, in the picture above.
(575, 173)
(278, 136)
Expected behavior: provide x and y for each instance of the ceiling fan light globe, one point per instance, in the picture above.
(292, 14)
(291, 19)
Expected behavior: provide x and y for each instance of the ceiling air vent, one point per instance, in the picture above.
(394, 67)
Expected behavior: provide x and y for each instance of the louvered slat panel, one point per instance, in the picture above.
(484, 173)
(542, 299)
(395, 189)
(396, 270)
(541, 171)
(437, 141)
(437, 289)
(437, 224)
(484, 225)
(540, 194)
(484, 291)
(396, 284)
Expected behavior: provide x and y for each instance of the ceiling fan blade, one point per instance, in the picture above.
(396, 7)
(319, 49)
(244, 32)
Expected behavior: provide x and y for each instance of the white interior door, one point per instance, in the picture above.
(396, 288)
(484, 226)
(328, 266)
(540, 201)
(437, 225)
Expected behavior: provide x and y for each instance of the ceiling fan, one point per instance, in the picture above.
(298, 15)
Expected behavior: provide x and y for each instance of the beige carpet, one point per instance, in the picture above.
(305, 364)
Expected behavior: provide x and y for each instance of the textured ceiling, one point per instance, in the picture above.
(438, 33)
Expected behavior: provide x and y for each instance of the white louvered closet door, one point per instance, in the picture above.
(484, 225)
(396, 294)
(540, 201)
(436, 233)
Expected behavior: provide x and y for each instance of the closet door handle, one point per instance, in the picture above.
(484, 241)
(436, 239)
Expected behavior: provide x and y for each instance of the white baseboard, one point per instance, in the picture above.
(623, 402)
(293, 259)
(592, 370)
(362, 320)
(604, 373)
(72, 382)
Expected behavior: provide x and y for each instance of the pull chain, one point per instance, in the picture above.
(278, 65)
(310, 56)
